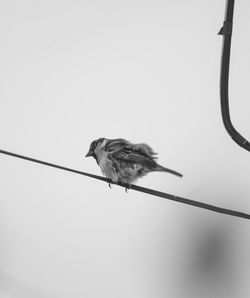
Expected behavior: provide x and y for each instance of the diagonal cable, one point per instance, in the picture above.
(137, 188)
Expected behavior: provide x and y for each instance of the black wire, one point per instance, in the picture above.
(137, 188)
(226, 31)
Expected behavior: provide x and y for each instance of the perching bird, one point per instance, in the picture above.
(124, 162)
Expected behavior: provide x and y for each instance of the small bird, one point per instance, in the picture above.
(123, 162)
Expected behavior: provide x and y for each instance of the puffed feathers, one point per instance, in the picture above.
(124, 162)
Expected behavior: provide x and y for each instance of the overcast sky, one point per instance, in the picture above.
(147, 71)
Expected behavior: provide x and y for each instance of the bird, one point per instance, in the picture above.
(124, 162)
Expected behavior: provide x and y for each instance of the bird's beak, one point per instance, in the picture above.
(90, 153)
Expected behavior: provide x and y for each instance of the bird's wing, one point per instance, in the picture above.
(144, 149)
(115, 145)
(121, 144)
(131, 157)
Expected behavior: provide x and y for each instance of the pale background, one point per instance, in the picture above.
(147, 71)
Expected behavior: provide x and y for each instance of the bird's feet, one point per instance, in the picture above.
(127, 187)
(110, 183)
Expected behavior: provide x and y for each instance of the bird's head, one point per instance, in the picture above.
(94, 146)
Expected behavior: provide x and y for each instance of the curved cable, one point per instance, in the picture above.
(137, 188)
(226, 31)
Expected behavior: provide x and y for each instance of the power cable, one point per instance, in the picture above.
(137, 188)
(226, 31)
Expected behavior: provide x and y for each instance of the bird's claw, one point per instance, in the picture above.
(127, 187)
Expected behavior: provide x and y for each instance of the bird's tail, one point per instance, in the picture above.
(163, 169)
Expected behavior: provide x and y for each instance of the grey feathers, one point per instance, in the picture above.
(124, 162)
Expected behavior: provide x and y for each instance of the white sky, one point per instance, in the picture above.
(146, 71)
